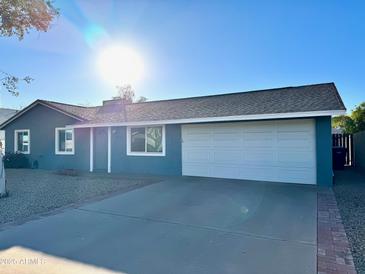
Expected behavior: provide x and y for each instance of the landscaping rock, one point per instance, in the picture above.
(33, 192)
(349, 189)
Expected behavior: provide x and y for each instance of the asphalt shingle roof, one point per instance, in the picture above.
(84, 113)
(309, 98)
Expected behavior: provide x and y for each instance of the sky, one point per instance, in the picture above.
(192, 48)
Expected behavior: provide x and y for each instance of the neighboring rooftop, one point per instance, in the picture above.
(6, 113)
(308, 98)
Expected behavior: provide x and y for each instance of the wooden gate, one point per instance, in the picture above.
(345, 141)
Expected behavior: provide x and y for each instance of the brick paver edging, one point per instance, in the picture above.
(333, 249)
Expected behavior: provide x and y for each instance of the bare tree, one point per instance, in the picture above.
(126, 92)
(10, 82)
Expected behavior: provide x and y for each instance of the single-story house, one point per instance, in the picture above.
(277, 135)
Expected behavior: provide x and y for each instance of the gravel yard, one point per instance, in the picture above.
(350, 195)
(34, 192)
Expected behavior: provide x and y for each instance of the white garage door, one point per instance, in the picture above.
(277, 151)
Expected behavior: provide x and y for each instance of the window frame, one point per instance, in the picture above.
(57, 152)
(145, 153)
(16, 131)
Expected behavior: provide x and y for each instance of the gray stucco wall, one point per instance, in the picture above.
(324, 151)
(359, 147)
(42, 121)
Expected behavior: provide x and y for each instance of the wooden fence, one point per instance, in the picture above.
(345, 141)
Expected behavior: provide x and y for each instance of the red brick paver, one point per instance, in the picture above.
(333, 249)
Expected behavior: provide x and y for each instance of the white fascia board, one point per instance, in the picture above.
(218, 119)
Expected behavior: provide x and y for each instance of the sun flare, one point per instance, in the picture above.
(120, 65)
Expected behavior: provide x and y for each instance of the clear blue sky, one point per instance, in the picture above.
(193, 48)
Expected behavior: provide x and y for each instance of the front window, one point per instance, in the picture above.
(64, 141)
(146, 141)
(22, 141)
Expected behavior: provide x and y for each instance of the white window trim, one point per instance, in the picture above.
(161, 154)
(57, 152)
(16, 140)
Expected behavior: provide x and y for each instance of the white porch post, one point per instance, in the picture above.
(91, 149)
(109, 149)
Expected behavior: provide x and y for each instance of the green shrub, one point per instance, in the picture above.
(16, 160)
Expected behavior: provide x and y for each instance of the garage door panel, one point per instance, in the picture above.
(197, 131)
(193, 144)
(225, 128)
(226, 136)
(258, 173)
(258, 135)
(197, 169)
(261, 125)
(259, 156)
(199, 141)
(196, 135)
(267, 150)
(229, 143)
(227, 156)
(293, 135)
(259, 139)
(264, 144)
(305, 145)
(296, 159)
(196, 155)
(296, 175)
(295, 140)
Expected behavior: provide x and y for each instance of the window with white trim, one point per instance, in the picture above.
(22, 141)
(64, 141)
(146, 141)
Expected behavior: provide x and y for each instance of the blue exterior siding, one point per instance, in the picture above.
(42, 121)
(164, 165)
(101, 149)
(324, 151)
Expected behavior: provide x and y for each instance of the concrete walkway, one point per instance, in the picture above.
(185, 225)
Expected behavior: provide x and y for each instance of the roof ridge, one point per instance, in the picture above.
(233, 93)
(8, 109)
(201, 96)
(66, 104)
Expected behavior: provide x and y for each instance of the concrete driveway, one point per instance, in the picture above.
(185, 225)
